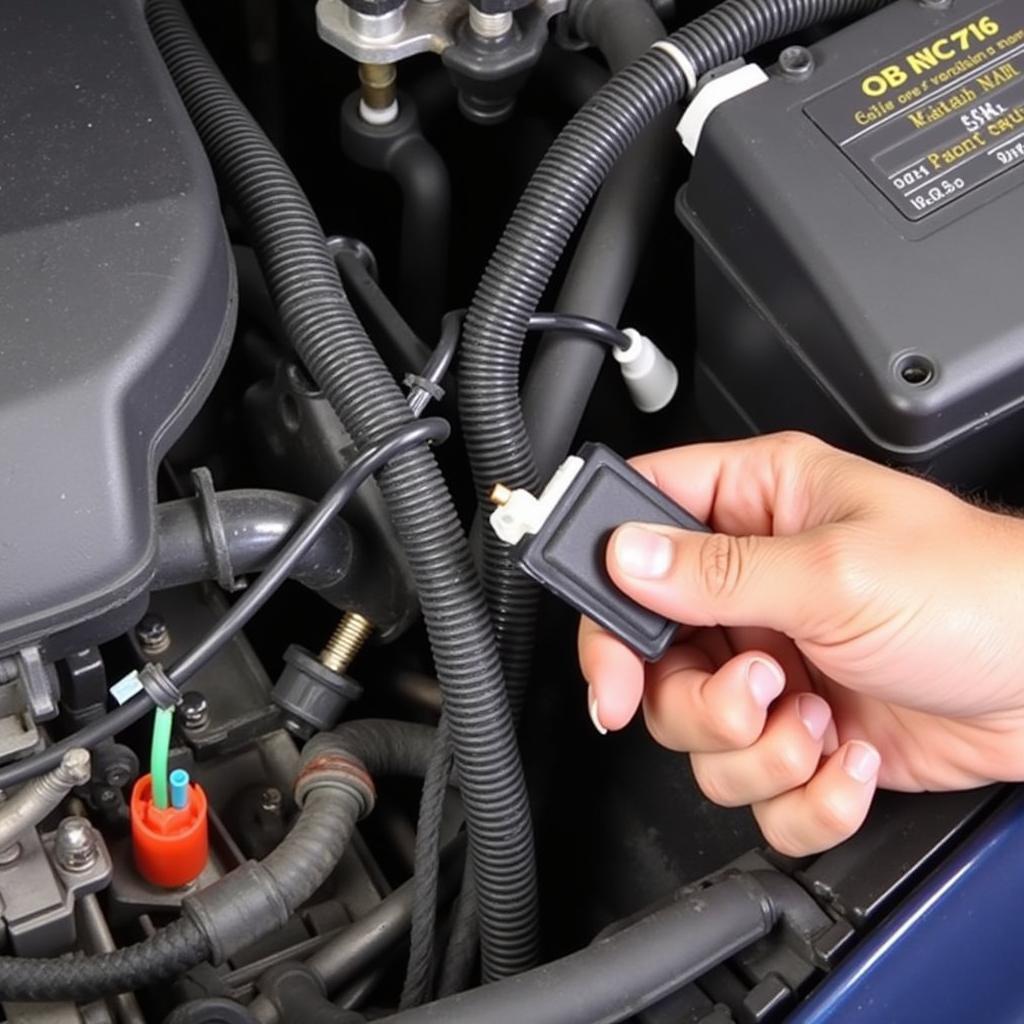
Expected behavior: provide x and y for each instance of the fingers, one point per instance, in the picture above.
(786, 755)
(755, 486)
(828, 809)
(615, 675)
(718, 579)
(689, 706)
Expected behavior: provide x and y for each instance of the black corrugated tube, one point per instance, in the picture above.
(329, 339)
(547, 213)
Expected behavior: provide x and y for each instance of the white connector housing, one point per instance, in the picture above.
(523, 514)
(711, 96)
(650, 376)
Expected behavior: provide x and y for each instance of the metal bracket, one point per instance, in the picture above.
(417, 26)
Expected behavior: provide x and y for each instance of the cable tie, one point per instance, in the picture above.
(415, 382)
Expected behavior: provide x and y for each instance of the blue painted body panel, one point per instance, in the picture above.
(952, 952)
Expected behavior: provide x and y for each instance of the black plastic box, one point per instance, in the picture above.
(860, 266)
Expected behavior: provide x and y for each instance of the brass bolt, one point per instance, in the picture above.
(500, 495)
(378, 85)
(353, 631)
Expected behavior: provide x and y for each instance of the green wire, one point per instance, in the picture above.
(159, 756)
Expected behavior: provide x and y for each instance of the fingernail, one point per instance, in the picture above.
(593, 715)
(814, 713)
(861, 761)
(765, 680)
(643, 553)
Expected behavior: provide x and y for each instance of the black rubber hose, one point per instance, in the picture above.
(605, 261)
(618, 976)
(422, 178)
(561, 188)
(169, 953)
(297, 868)
(256, 523)
(401, 150)
(331, 342)
(626, 971)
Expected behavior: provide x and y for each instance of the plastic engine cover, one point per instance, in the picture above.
(117, 304)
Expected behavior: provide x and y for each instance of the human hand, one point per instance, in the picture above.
(847, 626)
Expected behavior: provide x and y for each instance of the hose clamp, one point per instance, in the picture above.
(681, 59)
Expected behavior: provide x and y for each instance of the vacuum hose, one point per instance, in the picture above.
(329, 339)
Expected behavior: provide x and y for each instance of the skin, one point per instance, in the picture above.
(848, 627)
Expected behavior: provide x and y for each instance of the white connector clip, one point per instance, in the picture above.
(652, 378)
(519, 513)
(711, 96)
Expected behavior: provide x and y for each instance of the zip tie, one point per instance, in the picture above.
(682, 61)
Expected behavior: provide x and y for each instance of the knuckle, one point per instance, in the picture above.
(733, 729)
(711, 784)
(720, 563)
(798, 439)
(788, 765)
(842, 568)
(835, 819)
(780, 837)
(656, 728)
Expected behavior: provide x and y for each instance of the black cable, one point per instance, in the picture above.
(425, 385)
(419, 974)
(596, 330)
(409, 436)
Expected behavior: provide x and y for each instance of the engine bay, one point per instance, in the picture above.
(297, 300)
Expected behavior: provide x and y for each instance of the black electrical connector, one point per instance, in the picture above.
(560, 539)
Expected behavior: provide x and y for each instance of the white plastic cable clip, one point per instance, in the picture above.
(127, 687)
(650, 376)
(682, 60)
(712, 96)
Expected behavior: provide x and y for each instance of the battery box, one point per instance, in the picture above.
(860, 242)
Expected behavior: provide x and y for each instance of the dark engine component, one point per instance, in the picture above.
(118, 303)
(836, 207)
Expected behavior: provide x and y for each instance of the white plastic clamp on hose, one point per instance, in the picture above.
(650, 376)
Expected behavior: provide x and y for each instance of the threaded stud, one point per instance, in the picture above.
(346, 641)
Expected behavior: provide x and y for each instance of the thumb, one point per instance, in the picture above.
(713, 579)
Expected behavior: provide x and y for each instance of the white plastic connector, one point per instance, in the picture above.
(711, 96)
(521, 513)
(652, 378)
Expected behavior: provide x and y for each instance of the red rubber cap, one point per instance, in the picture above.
(171, 846)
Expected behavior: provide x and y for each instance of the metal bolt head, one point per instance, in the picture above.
(10, 855)
(194, 710)
(75, 847)
(796, 62)
(271, 800)
(75, 767)
(153, 635)
(936, 5)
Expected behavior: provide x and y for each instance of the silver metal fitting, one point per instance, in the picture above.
(41, 796)
(418, 26)
(75, 846)
(490, 26)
